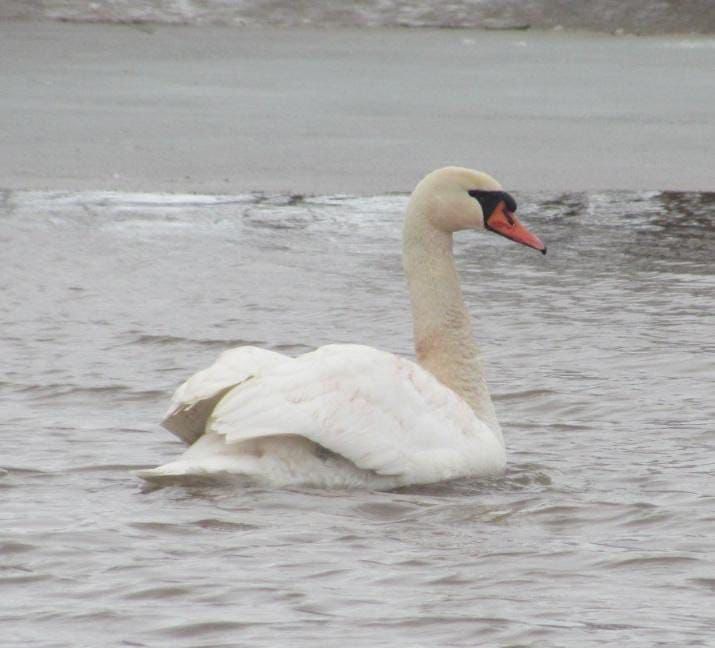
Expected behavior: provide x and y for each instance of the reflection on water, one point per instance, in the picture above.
(600, 358)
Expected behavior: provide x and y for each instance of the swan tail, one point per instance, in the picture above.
(213, 468)
(278, 460)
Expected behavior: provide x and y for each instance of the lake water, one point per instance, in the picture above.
(600, 358)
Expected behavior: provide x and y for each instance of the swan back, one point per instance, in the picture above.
(383, 413)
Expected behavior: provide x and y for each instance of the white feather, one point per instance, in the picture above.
(195, 399)
(384, 421)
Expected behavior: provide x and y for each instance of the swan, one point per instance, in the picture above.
(348, 415)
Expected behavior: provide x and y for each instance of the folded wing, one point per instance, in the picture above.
(381, 412)
(196, 398)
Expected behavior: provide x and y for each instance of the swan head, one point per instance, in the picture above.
(455, 198)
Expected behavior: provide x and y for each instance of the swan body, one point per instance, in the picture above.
(348, 415)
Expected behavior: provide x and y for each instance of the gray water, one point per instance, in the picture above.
(600, 358)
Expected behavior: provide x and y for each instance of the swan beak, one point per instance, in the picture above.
(505, 223)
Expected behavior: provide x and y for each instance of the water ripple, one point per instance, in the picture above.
(599, 356)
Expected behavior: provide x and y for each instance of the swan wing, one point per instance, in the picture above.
(381, 412)
(194, 399)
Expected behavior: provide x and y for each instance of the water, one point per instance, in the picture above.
(600, 358)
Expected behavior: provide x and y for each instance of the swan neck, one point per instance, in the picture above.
(444, 342)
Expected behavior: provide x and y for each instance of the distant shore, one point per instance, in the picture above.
(227, 110)
(609, 16)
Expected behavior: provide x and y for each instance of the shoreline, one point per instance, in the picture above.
(598, 16)
(216, 110)
(149, 25)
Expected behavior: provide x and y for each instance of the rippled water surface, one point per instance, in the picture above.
(600, 358)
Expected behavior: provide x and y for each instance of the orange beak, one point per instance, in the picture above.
(505, 223)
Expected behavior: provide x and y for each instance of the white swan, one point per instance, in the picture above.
(349, 415)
